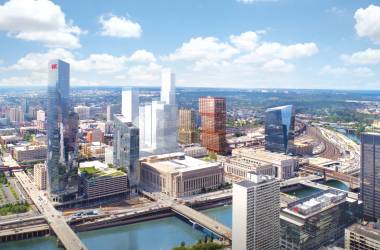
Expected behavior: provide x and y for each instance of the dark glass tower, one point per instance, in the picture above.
(370, 175)
(126, 148)
(279, 129)
(62, 125)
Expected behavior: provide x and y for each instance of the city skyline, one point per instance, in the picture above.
(281, 49)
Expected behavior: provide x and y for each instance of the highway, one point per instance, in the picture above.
(56, 221)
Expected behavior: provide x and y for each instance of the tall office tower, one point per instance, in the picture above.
(61, 131)
(279, 129)
(112, 110)
(168, 87)
(158, 120)
(130, 105)
(213, 117)
(369, 175)
(126, 148)
(256, 213)
(187, 130)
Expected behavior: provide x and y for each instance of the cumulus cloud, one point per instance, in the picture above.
(277, 65)
(142, 55)
(368, 56)
(39, 20)
(368, 23)
(245, 41)
(209, 48)
(115, 26)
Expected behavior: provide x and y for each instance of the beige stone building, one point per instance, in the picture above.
(259, 159)
(40, 176)
(178, 175)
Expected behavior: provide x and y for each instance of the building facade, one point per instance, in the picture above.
(158, 120)
(362, 237)
(62, 127)
(83, 112)
(30, 153)
(317, 220)
(178, 175)
(256, 214)
(130, 105)
(99, 181)
(213, 118)
(40, 176)
(369, 175)
(279, 129)
(187, 133)
(126, 148)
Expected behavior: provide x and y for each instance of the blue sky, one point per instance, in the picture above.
(207, 43)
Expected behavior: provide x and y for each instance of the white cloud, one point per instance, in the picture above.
(100, 63)
(39, 20)
(142, 55)
(32, 79)
(208, 48)
(115, 26)
(360, 72)
(368, 56)
(368, 23)
(277, 65)
(245, 41)
(268, 51)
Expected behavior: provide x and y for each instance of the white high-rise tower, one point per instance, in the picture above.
(158, 120)
(168, 87)
(130, 105)
(256, 214)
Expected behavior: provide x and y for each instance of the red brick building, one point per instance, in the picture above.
(213, 116)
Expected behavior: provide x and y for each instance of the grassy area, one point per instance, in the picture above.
(3, 178)
(94, 172)
(14, 208)
(13, 191)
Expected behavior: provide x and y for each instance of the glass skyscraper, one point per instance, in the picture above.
(126, 148)
(370, 175)
(62, 126)
(279, 129)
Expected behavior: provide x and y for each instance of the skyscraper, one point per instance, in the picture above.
(61, 131)
(130, 105)
(168, 87)
(187, 130)
(126, 148)
(369, 175)
(279, 129)
(213, 117)
(256, 214)
(158, 120)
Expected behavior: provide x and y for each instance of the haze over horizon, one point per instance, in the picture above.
(251, 44)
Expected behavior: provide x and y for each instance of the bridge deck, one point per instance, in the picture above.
(57, 222)
(203, 220)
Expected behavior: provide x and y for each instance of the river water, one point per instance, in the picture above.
(156, 234)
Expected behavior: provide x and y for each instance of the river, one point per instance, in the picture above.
(161, 234)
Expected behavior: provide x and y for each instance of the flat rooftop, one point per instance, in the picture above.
(370, 230)
(178, 162)
(95, 169)
(261, 155)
